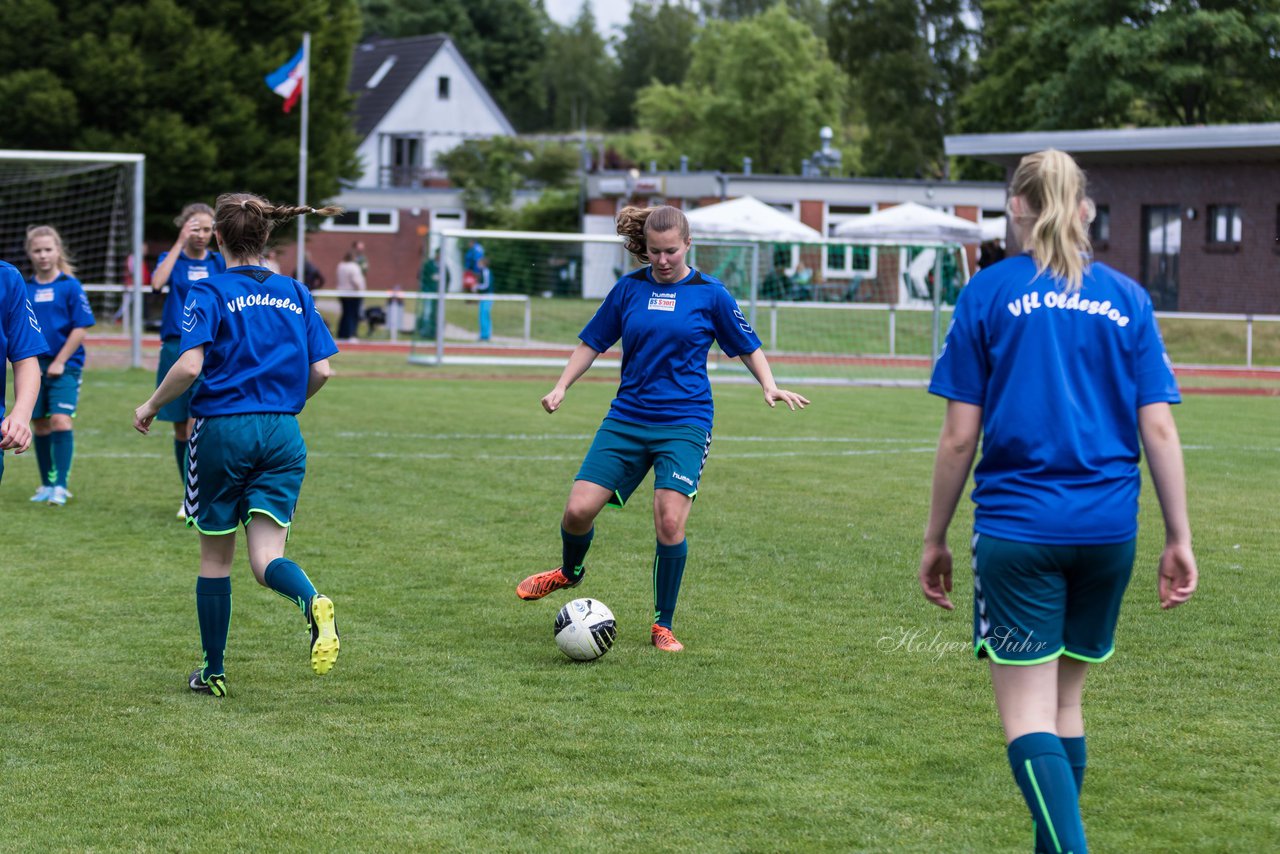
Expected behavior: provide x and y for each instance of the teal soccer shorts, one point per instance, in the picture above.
(1033, 603)
(241, 465)
(180, 408)
(59, 395)
(622, 454)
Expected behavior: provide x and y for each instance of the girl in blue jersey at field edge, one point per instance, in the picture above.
(264, 350)
(188, 262)
(1056, 362)
(21, 343)
(63, 311)
(667, 315)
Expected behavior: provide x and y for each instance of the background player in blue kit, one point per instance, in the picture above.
(21, 342)
(1057, 363)
(188, 262)
(264, 350)
(63, 312)
(667, 315)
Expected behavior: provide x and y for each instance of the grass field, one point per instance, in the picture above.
(821, 704)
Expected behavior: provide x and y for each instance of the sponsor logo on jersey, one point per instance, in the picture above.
(195, 274)
(662, 302)
(44, 295)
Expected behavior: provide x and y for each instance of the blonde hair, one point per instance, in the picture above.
(244, 222)
(1052, 186)
(191, 210)
(64, 261)
(634, 224)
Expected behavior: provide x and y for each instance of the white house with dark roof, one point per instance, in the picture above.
(415, 99)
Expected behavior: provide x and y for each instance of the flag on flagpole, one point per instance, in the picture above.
(286, 81)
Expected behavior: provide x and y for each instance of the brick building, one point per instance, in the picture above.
(1193, 213)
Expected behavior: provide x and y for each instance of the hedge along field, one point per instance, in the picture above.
(821, 704)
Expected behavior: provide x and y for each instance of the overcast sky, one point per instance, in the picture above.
(609, 13)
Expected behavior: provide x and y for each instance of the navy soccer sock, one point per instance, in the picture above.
(1077, 756)
(287, 578)
(1043, 773)
(44, 458)
(63, 446)
(213, 607)
(668, 570)
(573, 553)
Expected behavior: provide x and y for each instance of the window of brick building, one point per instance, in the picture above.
(1100, 228)
(1224, 224)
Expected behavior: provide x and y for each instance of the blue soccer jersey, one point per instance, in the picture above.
(1060, 378)
(666, 333)
(186, 272)
(20, 335)
(61, 306)
(261, 333)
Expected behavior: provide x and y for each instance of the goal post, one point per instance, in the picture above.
(826, 312)
(95, 201)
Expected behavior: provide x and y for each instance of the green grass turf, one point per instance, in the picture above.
(821, 704)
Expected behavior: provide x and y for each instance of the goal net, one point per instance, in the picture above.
(825, 312)
(94, 200)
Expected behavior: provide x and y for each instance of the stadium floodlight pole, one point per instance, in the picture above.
(302, 156)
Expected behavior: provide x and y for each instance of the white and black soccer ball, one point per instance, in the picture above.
(585, 629)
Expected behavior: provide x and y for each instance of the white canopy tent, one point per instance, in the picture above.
(910, 224)
(749, 219)
(994, 228)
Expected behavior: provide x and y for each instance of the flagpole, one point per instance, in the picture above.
(302, 156)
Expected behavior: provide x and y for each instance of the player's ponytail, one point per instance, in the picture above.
(244, 221)
(65, 264)
(1054, 215)
(634, 223)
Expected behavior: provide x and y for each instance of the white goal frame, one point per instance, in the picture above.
(138, 162)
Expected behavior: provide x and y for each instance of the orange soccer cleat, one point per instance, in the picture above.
(663, 639)
(540, 584)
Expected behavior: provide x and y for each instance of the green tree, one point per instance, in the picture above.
(910, 60)
(812, 12)
(504, 42)
(761, 88)
(183, 84)
(656, 47)
(1051, 64)
(490, 171)
(578, 74)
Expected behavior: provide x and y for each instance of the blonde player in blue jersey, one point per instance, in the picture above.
(189, 261)
(1056, 363)
(263, 350)
(667, 316)
(21, 343)
(62, 309)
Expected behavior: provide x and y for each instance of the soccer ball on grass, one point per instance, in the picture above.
(585, 629)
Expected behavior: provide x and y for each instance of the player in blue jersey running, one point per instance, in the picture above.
(667, 315)
(63, 312)
(189, 261)
(264, 351)
(1055, 361)
(22, 343)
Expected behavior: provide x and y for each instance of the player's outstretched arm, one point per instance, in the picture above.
(580, 359)
(178, 380)
(15, 431)
(956, 448)
(759, 367)
(1178, 574)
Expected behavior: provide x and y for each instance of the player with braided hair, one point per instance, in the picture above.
(264, 351)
